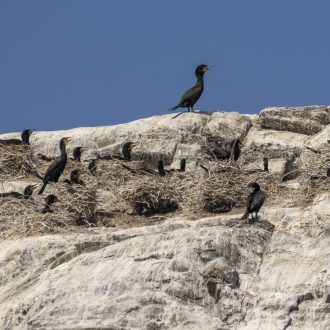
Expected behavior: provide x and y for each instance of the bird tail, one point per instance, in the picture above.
(245, 215)
(42, 188)
(174, 108)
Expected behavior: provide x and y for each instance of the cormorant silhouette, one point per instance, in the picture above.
(56, 169)
(191, 96)
(25, 139)
(254, 201)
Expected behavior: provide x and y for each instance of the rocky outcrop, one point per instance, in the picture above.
(185, 270)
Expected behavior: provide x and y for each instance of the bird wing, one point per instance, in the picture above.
(249, 201)
(191, 94)
(55, 166)
(257, 201)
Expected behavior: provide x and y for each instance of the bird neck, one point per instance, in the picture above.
(25, 138)
(200, 78)
(63, 150)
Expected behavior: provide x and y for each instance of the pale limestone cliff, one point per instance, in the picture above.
(188, 270)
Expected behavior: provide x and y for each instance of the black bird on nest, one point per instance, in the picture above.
(25, 139)
(77, 153)
(254, 201)
(28, 191)
(191, 96)
(57, 167)
(49, 200)
(75, 178)
(127, 149)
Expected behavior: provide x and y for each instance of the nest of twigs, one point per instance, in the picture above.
(16, 161)
(25, 217)
(154, 195)
(227, 187)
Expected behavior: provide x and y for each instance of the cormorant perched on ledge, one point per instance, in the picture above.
(183, 163)
(25, 139)
(74, 178)
(56, 169)
(50, 199)
(265, 161)
(92, 167)
(77, 153)
(191, 96)
(254, 201)
(126, 150)
(28, 191)
(236, 149)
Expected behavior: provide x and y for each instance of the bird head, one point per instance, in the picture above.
(201, 69)
(50, 199)
(254, 185)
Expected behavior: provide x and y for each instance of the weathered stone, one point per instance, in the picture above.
(303, 120)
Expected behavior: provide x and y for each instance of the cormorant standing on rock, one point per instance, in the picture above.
(25, 139)
(56, 169)
(254, 201)
(92, 166)
(161, 169)
(74, 178)
(191, 96)
(50, 199)
(77, 153)
(28, 191)
(127, 149)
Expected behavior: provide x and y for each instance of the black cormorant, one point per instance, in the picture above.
(254, 201)
(191, 96)
(57, 167)
(161, 169)
(265, 161)
(28, 191)
(74, 178)
(236, 149)
(49, 200)
(126, 150)
(92, 166)
(183, 163)
(77, 153)
(25, 139)
(328, 172)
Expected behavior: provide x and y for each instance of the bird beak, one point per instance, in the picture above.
(207, 69)
(67, 139)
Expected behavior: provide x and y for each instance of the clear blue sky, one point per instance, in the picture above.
(67, 64)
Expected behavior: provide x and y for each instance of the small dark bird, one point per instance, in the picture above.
(77, 153)
(236, 149)
(127, 149)
(183, 163)
(49, 200)
(28, 191)
(328, 172)
(74, 178)
(92, 166)
(191, 96)
(25, 139)
(161, 169)
(265, 161)
(57, 167)
(254, 201)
